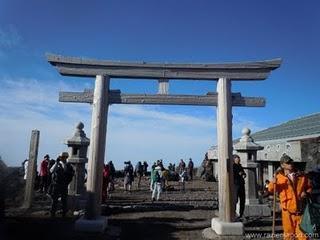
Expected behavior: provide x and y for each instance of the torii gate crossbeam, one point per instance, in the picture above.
(116, 97)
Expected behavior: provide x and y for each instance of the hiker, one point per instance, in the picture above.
(165, 179)
(182, 166)
(183, 177)
(190, 169)
(152, 176)
(238, 178)
(128, 176)
(112, 176)
(145, 168)
(293, 188)
(51, 163)
(139, 172)
(157, 183)
(265, 192)
(105, 182)
(44, 174)
(62, 174)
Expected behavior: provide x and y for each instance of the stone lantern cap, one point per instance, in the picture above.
(246, 142)
(79, 137)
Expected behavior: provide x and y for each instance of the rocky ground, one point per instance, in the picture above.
(132, 215)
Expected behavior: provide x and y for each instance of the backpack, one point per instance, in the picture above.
(63, 176)
(157, 177)
(310, 222)
(69, 173)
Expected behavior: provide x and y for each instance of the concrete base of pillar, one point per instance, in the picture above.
(254, 210)
(97, 225)
(209, 234)
(227, 228)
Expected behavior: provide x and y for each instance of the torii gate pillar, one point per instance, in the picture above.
(93, 221)
(224, 225)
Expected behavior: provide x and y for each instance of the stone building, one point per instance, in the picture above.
(299, 138)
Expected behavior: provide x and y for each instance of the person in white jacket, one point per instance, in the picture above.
(157, 184)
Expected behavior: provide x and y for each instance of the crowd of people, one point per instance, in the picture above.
(54, 176)
(53, 179)
(293, 186)
(158, 176)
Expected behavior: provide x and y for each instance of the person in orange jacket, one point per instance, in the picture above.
(293, 187)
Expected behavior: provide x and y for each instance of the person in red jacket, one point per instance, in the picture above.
(105, 183)
(44, 174)
(293, 187)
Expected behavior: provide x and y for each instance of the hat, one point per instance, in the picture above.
(235, 156)
(46, 156)
(64, 154)
(285, 159)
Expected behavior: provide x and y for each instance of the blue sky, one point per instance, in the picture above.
(157, 31)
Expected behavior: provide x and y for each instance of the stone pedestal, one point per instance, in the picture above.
(224, 230)
(227, 228)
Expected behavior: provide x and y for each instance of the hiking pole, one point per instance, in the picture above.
(274, 209)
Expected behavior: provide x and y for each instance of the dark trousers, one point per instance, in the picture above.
(139, 175)
(44, 183)
(239, 194)
(105, 188)
(59, 191)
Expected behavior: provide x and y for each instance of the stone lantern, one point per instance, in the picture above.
(78, 146)
(247, 149)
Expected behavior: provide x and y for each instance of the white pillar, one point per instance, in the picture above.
(224, 226)
(98, 142)
(225, 161)
(163, 86)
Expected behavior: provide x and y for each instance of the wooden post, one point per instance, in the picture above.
(225, 161)
(32, 168)
(163, 86)
(98, 142)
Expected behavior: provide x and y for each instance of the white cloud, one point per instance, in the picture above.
(27, 104)
(241, 122)
(149, 134)
(152, 113)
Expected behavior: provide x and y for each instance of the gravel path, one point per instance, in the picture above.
(132, 215)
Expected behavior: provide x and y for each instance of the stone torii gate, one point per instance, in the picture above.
(101, 97)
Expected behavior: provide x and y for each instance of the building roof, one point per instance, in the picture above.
(300, 127)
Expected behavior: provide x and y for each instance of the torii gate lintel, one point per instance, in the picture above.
(116, 97)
